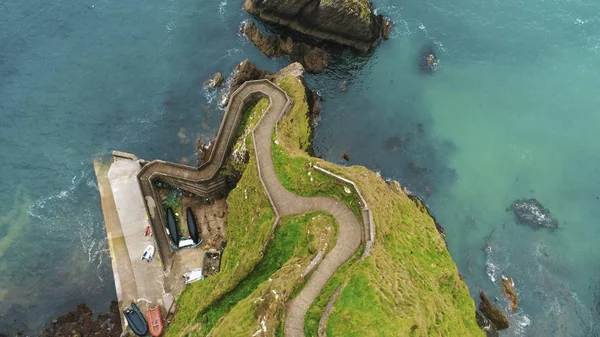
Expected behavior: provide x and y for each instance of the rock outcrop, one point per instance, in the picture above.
(351, 23)
(509, 291)
(215, 82)
(81, 322)
(486, 325)
(530, 212)
(314, 59)
(495, 315)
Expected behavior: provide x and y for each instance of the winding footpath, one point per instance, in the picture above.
(287, 203)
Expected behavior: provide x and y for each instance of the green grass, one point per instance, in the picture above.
(362, 6)
(410, 275)
(249, 222)
(296, 240)
(290, 159)
(409, 286)
(313, 315)
(290, 239)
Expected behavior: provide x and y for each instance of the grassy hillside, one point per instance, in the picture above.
(296, 241)
(249, 222)
(410, 285)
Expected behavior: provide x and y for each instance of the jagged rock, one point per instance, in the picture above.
(215, 82)
(314, 59)
(509, 290)
(531, 213)
(350, 23)
(427, 60)
(346, 156)
(245, 71)
(494, 314)
(485, 324)
(81, 322)
(386, 28)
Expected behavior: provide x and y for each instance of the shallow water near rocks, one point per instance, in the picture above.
(510, 114)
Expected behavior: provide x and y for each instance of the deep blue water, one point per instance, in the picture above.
(511, 113)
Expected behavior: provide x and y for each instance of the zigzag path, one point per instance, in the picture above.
(288, 203)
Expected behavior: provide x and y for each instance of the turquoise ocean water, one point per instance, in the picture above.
(511, 113)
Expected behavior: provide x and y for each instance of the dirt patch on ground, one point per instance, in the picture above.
(211, 215)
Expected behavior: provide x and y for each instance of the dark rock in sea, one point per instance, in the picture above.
(346, 156)
(313, 98)
(80, 322)
(349, 23)
(495, 315)
(509, 291)
(530, 212)
(420, 127)
(427, 60)
(314, 59)
(393, 143)
(215, 82)
(245, 71)
(485, 324)
(386, 28)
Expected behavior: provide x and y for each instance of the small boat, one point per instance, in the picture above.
(156, 324)
(148, 253)
(172, 226)
(191, 222)
(136, 320)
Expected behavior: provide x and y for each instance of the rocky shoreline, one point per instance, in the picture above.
(80, 322)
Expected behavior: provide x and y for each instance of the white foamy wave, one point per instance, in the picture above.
(169, 29)
(522, 323)
(91, 183)
(209, 94)
(41, 202)
(222, 8)
(490, 270)
(490, 267)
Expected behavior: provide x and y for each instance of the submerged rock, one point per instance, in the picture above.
(314, 59)
(530, 212)
(393, 143)
(350, 23)
(495, 315)
(509, 290)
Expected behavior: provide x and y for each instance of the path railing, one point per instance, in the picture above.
(367, 215)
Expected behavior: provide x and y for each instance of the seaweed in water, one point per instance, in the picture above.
(530, 212)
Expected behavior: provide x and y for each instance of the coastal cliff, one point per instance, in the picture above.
(408, 285)
(351, 23)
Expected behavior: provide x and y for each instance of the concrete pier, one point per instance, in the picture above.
(125, 217)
